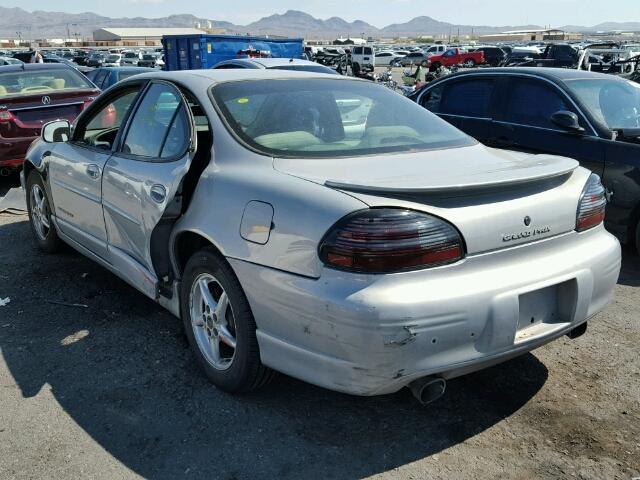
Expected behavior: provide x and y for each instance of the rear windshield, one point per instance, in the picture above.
(41, 81)
(148, 57)
(114, 58)
(315, 117)
(130, 55)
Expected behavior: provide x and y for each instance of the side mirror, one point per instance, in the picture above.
(56, 131)
(567, 120)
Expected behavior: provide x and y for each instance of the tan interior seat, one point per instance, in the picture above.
(56, 83)
(3, 90)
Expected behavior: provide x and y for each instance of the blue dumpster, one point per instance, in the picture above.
(202, 51)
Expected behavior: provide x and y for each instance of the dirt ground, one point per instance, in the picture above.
(111, 391)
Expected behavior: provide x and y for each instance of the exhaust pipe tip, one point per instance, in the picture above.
(5, 172)
(428, 389)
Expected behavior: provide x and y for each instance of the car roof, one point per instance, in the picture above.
(213, 76)
(560, 74)
(128, 69)
(266, 62)
(33, 66)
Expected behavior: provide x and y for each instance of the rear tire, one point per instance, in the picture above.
(470, 63)
(39, 209)
(215, 311)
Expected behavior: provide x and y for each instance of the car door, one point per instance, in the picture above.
(76, 167)
(142, 181)
(465, 102)
(524, 123)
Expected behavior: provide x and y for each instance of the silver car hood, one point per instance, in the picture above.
(457, 169)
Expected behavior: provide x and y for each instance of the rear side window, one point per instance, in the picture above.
(469, 98)
(154, 127)
(531, 102)
(357, 51)
(100, 78)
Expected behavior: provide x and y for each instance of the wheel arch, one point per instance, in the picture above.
(185, 244)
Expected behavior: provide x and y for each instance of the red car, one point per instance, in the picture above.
(455, 56)
(32, 95)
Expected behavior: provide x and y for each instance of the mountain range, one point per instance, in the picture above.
(39, 24)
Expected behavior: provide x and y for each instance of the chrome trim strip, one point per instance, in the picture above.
(532, 126)
(465, 116)
(38, 107)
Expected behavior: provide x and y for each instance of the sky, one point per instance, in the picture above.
(376, 12)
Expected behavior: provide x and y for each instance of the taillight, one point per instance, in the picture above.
(384, 240)
(87, 102)
(592, 204)
(6, 116)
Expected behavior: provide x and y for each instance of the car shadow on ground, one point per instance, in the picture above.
(8, 182)
(630, 272)
(121, 369)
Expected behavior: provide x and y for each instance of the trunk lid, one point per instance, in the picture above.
(31, 112)
(496, 198)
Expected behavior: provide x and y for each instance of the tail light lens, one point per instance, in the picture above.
(6, 116)
(592, 204)
(384, 240)
(87, 102)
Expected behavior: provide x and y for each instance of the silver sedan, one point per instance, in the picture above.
(323, 227)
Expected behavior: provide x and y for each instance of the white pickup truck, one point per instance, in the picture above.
(435, 50)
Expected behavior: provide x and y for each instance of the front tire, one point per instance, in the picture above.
(220, 326)
(39, 209)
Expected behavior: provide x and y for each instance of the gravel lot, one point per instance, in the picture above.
(110, 391)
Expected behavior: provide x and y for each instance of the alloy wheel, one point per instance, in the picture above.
(212, 321)
(40, 215)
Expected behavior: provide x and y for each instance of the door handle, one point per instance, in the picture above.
(158, 193)
(93, 171)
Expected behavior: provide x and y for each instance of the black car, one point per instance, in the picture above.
(493, 56)
(592, 117)
(96, 59)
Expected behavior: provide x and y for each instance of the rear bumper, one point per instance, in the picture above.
(374, 334)
(13, 150)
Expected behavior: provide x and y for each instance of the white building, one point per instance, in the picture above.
(131, 37)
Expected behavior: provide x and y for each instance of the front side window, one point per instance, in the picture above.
(468, 98)
(614, 102)
(101, 129)
(328, 118)
(152, 121)
(532, 103)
